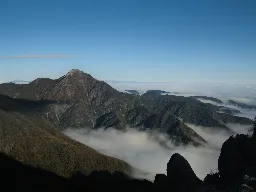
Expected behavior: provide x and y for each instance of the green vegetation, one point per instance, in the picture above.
(33, 140)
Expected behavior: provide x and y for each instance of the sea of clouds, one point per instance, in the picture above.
(143, 151)
(241, 93)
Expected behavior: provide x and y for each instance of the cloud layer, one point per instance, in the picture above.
(243, 93)
(249, 113)
(143, 151)
(36, 56)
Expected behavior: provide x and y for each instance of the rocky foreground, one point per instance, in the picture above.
(237, 173)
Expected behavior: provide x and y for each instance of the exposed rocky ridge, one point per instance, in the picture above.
(99, 105)
(79, 100)
(32, 91)
(179, 133)
(190, 110)
(31, 139)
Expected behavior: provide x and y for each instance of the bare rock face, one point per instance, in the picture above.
(161, 182)
(181, 176)
(95, 104)
(212, 179)
(237, 163)
(92, 103)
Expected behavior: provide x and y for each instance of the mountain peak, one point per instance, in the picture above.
(74, 71)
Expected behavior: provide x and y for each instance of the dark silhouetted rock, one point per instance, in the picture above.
(231, 162)
(254, 128)
(237, 162)
(181, 176)
(16, 176)
(161, 182)
(212, 179)
(161, 179)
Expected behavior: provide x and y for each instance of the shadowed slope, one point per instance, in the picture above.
(32, 139)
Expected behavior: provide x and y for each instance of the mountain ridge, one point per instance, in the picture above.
(79, 100)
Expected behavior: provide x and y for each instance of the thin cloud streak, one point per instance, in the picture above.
(37, 56)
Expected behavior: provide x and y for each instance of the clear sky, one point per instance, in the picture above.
(130, 40)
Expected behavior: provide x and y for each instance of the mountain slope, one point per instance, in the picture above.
(78, 100)
(96, 104)
(190, 110)
(32, 139)
(32, 91)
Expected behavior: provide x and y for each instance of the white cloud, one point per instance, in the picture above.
(34, 56)
(249, 113)
(246, 94)
(144, 151)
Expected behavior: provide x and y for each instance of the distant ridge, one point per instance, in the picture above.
(79, 100)
(17, 81)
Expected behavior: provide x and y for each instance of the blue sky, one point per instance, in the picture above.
(130, 40)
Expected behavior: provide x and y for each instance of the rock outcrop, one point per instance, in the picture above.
(237, 163)
(181, 176)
